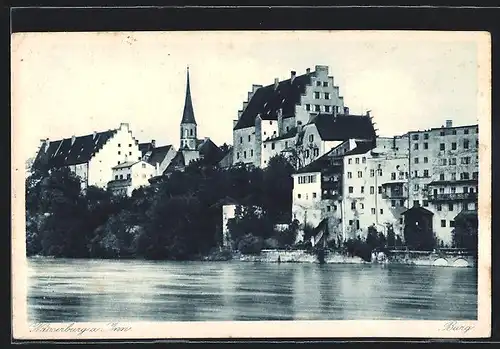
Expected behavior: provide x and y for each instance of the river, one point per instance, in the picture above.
(62, 290)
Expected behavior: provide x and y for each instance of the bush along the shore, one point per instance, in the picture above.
(174, 219)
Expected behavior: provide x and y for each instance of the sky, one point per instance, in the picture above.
(66, 84)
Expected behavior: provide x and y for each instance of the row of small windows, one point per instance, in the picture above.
(362, 191)
(317, 95)
(307, 179)
(244, 154)
(356, 160)
(119, 145)
(314, 196)
(463, 176)
(442, 146)
(322, 108)
(324, 83)
(362, 207)
(139, 158)
(445, 162)
(360, 173)
(466, 131)
(454, 190)
(129, 153)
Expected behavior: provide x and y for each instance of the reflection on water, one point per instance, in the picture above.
(100, 290)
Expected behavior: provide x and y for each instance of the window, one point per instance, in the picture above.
(362, 190)
(466, 144)
(454, 132)
(191, 132)
(314, 195)
(325, 83)
(116, 177)
(372, 190)
(249, 138)
(426, 145)
(466, 190)
(439, 207)
(415, 173)
(328, 208)
(349, 161)
(316, 151)
(245, 154)
(327, 108)
(356, 160)
(121, 176)
(441, 146)
(453, 190)
(425, 203)
(426, 136)
(442, 162)
(443, 223)
(416, 202)
(299, 196)
(327, 95)
(426, 159)
(360, 174)
(349, 174)
(286, 144)
(307, 153)
(393, 203)
(241, 140)
(351, 190)
(453, 176)
(139, 158)
(270, 122)
(380, 189)
(353, 205)
(465, 160)
(143, 165)
(273, 146)
(335, 207)
(452, 224)
(393, 176)
(415, 146)
(416, 187)
(129, 153)
(416, 160)
(118, 162)
(350, 222)
(441, 177)
(128, 175)
(381, 211)
(316, 95)
(450, 207)
(415, 137)
(119, 152)
(119, 145)
(373, 211)
(441, 133)
(453, 146)
(237, 155)
(426, 173)
(318, 83)
(251, 152)
(372, 173)
(308, 107)
(362, 206)
(317, 108)
(466, 131)
(363, 160)
(453, 161)
(311, 138)
(380, 172)
(475, 175)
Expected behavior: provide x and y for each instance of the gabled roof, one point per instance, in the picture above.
(321, 163)
(145, 147)
(210, 152)
(188, 113)
(290, 134)
(125, 165)
(177, 162)
(267, 100)
(159, 154)
(341, 127)
(65, 153)
(361, 148)
(466, 215)
(417, 210)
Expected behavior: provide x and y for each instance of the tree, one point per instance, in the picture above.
(278, 187)
(391, 236)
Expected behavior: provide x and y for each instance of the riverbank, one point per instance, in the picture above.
(393, 258)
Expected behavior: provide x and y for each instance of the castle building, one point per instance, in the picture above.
(129, 176)
(91, 157)
(278, 117)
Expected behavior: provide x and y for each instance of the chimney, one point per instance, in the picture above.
(276, 83)
(292, 76)
(346, 110)
(449, 123)
(308, 70)
(153, 143)
(73, 138)
(124, 125)
(416, 203)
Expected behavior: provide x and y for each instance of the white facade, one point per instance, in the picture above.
(129, 176)
(120, 148)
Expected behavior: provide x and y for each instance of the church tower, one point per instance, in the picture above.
(188, 123)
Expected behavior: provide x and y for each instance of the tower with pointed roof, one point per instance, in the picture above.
(188, 139)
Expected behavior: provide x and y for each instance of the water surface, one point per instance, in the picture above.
(61, 290)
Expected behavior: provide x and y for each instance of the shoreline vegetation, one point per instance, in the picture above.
(179, 218)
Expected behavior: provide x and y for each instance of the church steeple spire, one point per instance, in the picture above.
(188, 114)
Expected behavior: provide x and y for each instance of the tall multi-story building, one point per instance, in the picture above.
(444, 171)
(276, 118)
